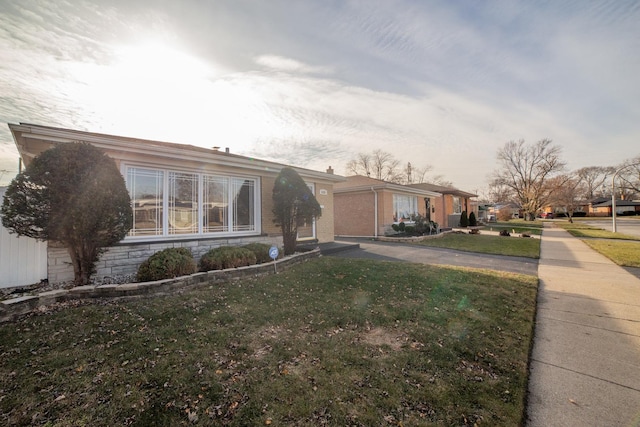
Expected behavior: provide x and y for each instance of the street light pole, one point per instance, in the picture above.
(613, 194)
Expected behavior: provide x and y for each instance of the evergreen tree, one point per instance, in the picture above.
(294, 205)
(72, 194)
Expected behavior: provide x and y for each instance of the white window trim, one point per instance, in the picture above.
(165, 236)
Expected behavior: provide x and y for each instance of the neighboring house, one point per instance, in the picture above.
(602, 207)
(447, 208)
(366, 206)
(182, 196)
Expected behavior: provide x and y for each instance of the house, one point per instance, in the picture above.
(602, 207)
(448, 207)
(182, 196)
(365, 206)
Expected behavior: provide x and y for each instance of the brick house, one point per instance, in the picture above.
(182, 196)
(447, 208)
(365, 206)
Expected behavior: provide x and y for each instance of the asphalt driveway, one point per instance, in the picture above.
(387, 251)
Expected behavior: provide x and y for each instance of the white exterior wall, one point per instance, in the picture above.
(23, 261)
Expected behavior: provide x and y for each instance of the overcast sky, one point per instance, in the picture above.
(312, 83)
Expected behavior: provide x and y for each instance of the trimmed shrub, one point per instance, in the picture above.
(464, 220)
(226, 257)
(395, 227)
(410, 229)
(401, 227)
(472, 219)
(167, 264)
(261, 251)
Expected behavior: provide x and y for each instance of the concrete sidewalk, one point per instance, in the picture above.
(585, 364)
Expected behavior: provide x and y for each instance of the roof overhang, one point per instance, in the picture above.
(387, 186)
(31, 140)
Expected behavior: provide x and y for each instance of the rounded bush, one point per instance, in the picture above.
(260, 250)
(226, 257)
(167, 264)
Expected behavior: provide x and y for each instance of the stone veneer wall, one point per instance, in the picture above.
(123, 260)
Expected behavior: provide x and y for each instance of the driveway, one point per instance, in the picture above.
(386, 251)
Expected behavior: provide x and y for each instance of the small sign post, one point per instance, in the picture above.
(273, 253)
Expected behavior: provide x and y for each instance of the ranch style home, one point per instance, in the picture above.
(365, 206)
(182, 196)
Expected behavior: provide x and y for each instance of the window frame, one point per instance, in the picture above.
(413, 205)
(166, 233)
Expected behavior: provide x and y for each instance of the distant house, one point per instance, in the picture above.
(447, 208)
(182, 195)
(602, 207)
(366, 206)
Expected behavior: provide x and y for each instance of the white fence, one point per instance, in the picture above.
(23, 261)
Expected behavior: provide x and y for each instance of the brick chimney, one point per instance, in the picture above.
(330, 170)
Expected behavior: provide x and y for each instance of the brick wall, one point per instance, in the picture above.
(354, 214)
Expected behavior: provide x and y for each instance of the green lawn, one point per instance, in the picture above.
(624, 253)
(498, 245)
(329, 342)
(622, 249)
(578, 229)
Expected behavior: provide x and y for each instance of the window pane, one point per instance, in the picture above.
(145, 189)
(243, 209)
(457, 206)
(183, 203)
(215, 204)
(404, 207)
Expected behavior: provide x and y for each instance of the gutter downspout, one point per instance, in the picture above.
(375, 213)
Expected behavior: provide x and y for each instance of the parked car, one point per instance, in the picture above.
(546, 215)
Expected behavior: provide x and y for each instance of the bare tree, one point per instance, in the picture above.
(568, 192)
(379, 165)
(525, 169)
(383, 166)
(593, 178)
(498, 193)
(629, 178)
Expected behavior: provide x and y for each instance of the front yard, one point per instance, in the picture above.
(329, 342)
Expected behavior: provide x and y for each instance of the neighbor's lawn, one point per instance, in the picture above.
(497, 245)
(623, 253)
(578, 229)
(615, 246)
(330, 342)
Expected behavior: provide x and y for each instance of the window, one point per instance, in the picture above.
(243, 194)
(145, 189)
(195, 204)
(216, 204)
(307, 230)
(183, 203)
(404, 206)
(457, 206)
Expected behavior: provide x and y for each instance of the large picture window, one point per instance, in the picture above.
(404, 206)
(171, 203)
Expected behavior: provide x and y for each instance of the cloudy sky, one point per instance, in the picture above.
(312, 83)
